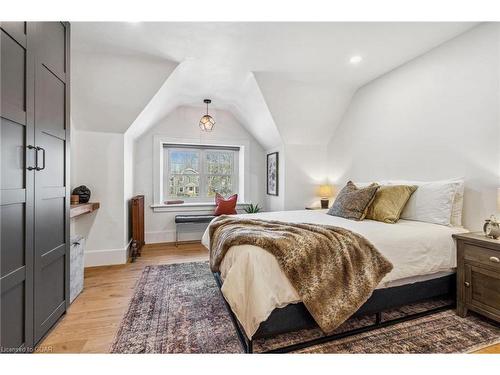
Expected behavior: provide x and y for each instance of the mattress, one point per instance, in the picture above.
(254, 284)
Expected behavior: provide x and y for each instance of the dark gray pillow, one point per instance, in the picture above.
(353, 202)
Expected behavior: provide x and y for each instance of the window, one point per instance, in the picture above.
(197, 173)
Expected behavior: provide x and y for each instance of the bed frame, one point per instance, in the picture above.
(295, 317)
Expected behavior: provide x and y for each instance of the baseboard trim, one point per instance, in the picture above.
(105, 257)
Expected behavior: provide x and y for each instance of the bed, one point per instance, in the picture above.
(262, 301)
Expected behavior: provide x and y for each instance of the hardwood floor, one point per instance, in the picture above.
(93, 319)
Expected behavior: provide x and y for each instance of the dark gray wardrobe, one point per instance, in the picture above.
(34, 181)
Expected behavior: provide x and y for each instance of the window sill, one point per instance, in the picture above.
(190, 206)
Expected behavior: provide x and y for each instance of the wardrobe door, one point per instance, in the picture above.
(16, 190)
(51, 266)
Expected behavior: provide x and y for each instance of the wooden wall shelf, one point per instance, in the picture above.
(83, 208)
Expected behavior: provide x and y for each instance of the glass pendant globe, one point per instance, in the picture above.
(207, 123)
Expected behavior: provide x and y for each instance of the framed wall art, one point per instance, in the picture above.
(272, 173)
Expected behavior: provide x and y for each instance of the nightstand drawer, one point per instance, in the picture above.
(482, 292)
(478, 275)
(484, 256)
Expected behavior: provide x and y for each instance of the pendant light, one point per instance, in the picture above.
(207, 122)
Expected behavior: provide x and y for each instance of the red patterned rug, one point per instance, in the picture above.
(178, 308)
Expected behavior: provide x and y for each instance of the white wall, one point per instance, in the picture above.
(128, 182)
(98, 162)
(305, 170)
(302, 168)
(306, 114)
(435, 117)
(276, 202)
(109, 88)
(183, 123)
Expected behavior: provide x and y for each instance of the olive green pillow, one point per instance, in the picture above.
(353, 202)
(389, 202)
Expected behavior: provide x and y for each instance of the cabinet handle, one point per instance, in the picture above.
(29, 168)
(495, 259)
(467, 284)
(43, 154)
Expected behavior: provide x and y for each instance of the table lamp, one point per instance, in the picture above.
(325, 192)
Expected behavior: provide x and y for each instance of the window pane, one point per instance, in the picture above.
(219, 184)
(184, 162)
(219, 162)
(192, 173)
(184, 186)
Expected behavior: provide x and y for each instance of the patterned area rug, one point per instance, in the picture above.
(178, 308)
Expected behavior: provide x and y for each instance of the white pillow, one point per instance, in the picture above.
(365, 184)
(432, 202)
(458, 199)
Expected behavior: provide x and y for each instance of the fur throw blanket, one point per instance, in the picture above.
(333, 270)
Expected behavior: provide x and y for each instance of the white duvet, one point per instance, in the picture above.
(254, 284)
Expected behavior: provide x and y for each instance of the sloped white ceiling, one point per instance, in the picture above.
(110, 87)
(232, 90)
(286, 82)
(304, 112)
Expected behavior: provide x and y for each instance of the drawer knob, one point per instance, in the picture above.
(495, 259)
(467, 284)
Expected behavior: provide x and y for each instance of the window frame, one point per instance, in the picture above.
(158, 140)
(202, 150)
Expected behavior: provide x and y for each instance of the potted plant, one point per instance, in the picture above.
(252, 209)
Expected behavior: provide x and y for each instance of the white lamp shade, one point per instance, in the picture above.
(325, 191)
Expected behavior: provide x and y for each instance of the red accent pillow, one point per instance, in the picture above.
(225, 206)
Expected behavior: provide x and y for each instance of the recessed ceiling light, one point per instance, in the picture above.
(355, 59)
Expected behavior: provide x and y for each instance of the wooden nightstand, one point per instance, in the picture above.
(478, 275)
